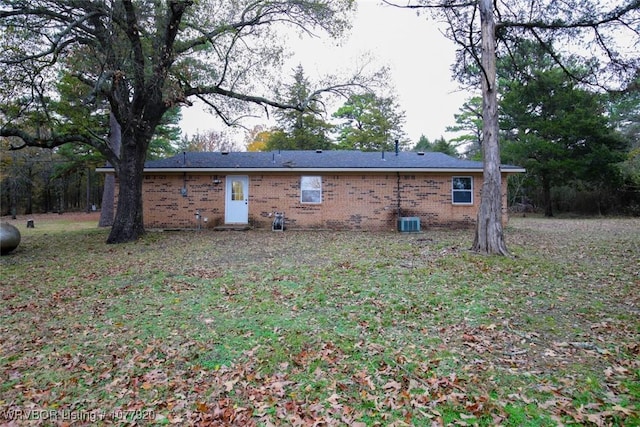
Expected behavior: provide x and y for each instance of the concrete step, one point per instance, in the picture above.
(232, 227)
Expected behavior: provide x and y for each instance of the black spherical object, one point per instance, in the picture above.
(9, 238)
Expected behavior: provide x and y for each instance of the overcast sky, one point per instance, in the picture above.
(418, 55)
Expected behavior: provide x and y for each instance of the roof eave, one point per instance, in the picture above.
(310, 170)
(305, 170)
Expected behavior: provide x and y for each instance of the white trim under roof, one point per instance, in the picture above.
(309, 170)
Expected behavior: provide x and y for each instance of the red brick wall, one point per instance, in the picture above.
(349, 201)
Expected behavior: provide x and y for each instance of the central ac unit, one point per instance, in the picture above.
(409, 224)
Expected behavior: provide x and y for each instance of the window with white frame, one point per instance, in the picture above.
(462, 190)
(311, 189)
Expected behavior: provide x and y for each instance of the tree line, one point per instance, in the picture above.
(136, 61)
(580, 147)
(579, 144)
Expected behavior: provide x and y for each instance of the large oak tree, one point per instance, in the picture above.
(143, 58)
(607, 34)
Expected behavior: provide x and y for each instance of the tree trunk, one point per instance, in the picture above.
(108, 200)
(128, 223)
(489, 238)
(29, 190)
(546, 195)
(13, 196)
(109, 189)
(88, 201)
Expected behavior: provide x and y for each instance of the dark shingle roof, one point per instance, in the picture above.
(316, 160)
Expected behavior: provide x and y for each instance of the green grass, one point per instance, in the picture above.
(260, 328)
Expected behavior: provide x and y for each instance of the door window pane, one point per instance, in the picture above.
(237, 191)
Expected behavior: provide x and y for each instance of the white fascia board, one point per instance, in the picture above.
(303, 170)
(311, 170)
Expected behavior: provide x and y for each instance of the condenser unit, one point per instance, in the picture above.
(409, 224)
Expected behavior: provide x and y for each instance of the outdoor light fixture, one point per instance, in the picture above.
(216, 180)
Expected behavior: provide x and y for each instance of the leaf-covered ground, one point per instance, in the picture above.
(322, 328)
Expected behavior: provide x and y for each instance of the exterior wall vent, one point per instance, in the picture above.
(409, 224)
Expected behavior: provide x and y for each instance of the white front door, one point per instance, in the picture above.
(237, 200)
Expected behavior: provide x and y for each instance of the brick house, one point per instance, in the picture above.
(342, 190)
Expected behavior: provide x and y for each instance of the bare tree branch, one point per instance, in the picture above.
(434, 5)
(53, 141)
(58, 43)
(589, 21)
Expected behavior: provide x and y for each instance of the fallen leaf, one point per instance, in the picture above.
(469, 338)
(333, 399)
(392, 385)
(622, 409)
(228, 385)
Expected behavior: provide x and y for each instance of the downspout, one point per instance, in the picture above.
(183, 190)
(397, 149)
(398, 195)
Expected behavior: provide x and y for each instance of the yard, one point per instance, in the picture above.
(322, 328)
